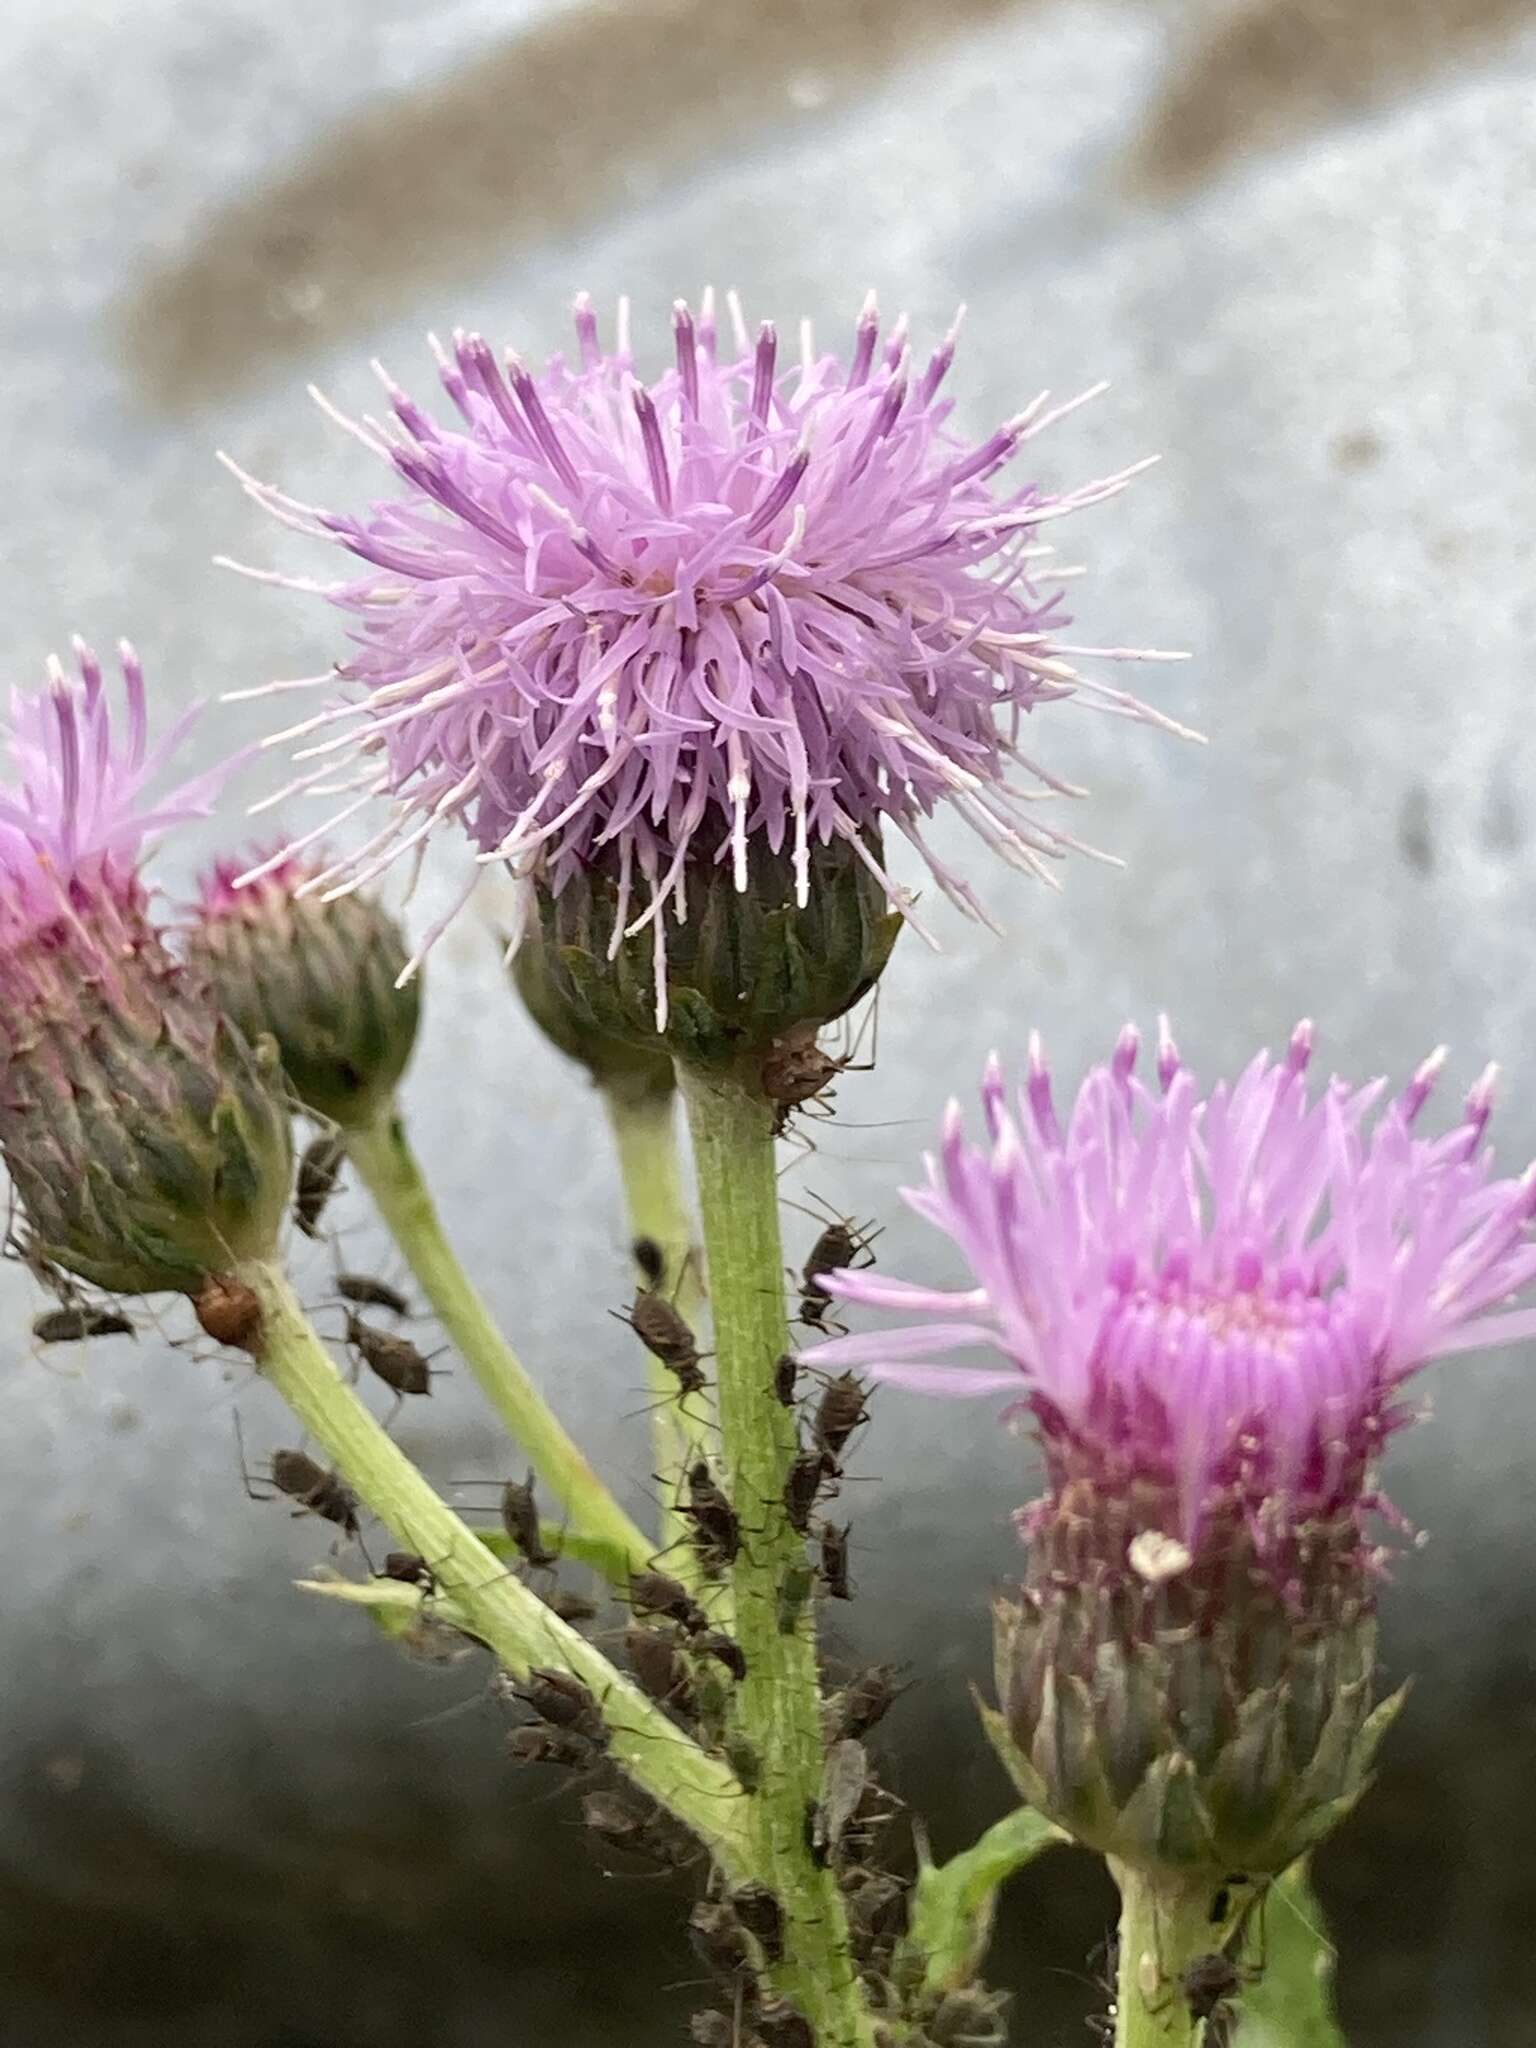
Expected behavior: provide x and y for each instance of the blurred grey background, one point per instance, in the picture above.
(1297, 236)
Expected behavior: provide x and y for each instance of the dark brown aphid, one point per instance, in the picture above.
(572, 1607)
(796, 1071)
(778, 2024)
(228, 1312)
(842, 1792)
(651, 1259)
(786, 1376)
(1209, 1982)
(802, 1485)
(759, 1911)
(793, 1591)
(865, 1702)
(366, 1292)
(520, 1519)
(396, 1360)
(659, 1665)
(319, 1173)
(656, 1593)
(716, 1528)
(720, 1941)
(834, 1560)
(712, 2030)
(317, 1491)
(840, 1244)
(561, 1699)
(877, 1907)
(714, 1642)
(538, 1743)
(410, 1570)
(664, 1332)
(968, 2018)
(74, 1325)
(615, 1820)
(838, 1414)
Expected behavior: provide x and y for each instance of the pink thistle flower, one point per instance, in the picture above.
(650, 624)
(1213, 1302)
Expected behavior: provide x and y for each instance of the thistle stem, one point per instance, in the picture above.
(512, 1621)
(389, 1170)
(644, 1125)
(1163, 1927)
(778, 1704)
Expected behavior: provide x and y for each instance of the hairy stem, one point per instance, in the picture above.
(644, 1124)
(1163, 1927)
(779, 1702)
(389, 1171)
(509, 1619)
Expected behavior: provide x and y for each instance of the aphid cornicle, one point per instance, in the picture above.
(319, 1173)
(658, 1594)
(396, 1360)
(365, 1292)
(75, 1325)
(663, 1330)
(520, 1519)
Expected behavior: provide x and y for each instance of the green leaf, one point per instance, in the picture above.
(1292, 2004)
(953, 1903)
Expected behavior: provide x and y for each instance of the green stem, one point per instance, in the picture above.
(779, 1702)
(644, 1124)
(1163, 1927)
(512, 1621)
(383, 1158)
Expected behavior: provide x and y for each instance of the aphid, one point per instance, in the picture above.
(664, 1332)
(786, 1375)
(228, 1311)
(367, 1292)
(793, 1589)
(75, 1325)
(317, 1491)
(623, 1825)
(838, 1414)
(720, 1941)
(843, 1787)
(796, 1071)
(410, 1570)
(712, 2030)
(968, 2018)
(653, 1592)
(520, 1519)
(744, 1761)
(319, 1173)
(840, 1244)
(866, 1700)
(759, 1911)
(778, 2024)
(659, 1665)
(834, 1560)
(877, 1907)
(1208, 1982)
(561, 1699)
(651, 1259)
(572, 1607)
(714, 1642)
(396, 1360)
(538, 1743)
(802, 1485)
(716, 1528)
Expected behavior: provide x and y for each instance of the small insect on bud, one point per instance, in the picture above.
(229, 1312)
(664, 1332)
(714, 1642)
(538, 1743)
(759, 1911)
(866, 1701)
(653, 1592)
(520, 1519)
(365, 1292)
(839, 1413)
(659, 1666)
(395, 1360)
(319, 1176)
(720, 1941)
(75, 1325)
(778, 2024)
(561, 1699)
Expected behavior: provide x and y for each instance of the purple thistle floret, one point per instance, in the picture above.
(647, 624)
(1216, 1300)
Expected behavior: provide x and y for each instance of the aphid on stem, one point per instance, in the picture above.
(663, 1330)
(403, 1367)
(834, 1560)
(296, 1475)
(318, 1177)
(795, 1071)
(842, 1243)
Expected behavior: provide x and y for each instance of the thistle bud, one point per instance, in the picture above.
(325, 979)
(1210, 1306)
(144, 1135)
(633, 1071)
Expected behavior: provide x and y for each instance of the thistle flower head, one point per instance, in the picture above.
(141, 1135)
(653, 625)
(324, 977)
(1215, 1298)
